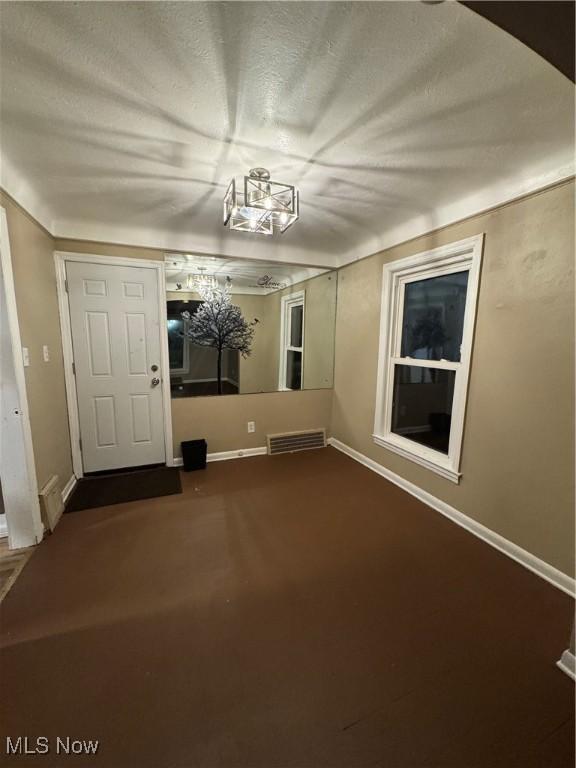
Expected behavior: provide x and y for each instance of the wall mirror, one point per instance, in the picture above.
(238, 327)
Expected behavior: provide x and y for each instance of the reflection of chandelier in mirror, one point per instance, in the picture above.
(201, 282)
(257, 204)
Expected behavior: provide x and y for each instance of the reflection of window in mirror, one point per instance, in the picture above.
(291, 372)
(177, 349)
(178, 352)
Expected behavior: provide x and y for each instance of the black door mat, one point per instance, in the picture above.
(117, 487)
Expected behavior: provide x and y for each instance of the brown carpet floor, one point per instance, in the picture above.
(284, 612)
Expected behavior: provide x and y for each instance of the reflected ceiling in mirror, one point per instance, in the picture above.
(283, 318)
(246, 277)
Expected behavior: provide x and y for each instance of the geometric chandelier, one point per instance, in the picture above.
(256, 204)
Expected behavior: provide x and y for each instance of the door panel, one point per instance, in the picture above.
(141, 422)
(95, 288)
(133, 290)
(136, 340)
(116, 340)
(105, 421)
(98, 339)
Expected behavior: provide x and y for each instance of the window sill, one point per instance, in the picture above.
(424, 461)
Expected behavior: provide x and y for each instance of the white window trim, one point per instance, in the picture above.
(459, 256)
(293, 299)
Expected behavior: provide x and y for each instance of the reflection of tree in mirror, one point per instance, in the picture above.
(219, 324)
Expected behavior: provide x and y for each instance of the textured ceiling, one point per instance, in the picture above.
(127, 120)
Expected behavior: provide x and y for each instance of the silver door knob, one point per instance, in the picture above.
(155, 382)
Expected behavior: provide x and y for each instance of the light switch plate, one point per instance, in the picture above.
(46, 353)
(251, 426)
(25, 357)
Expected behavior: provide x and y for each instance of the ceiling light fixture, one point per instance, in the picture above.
(257, 204)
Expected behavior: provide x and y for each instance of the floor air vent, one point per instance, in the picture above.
(296, 441)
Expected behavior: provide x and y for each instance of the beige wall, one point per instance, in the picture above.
(107, 249)
(223, 420)
(35, 284)
(518, 450)
(320, 330)
(254, 369)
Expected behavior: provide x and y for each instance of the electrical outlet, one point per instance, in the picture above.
(46, 353)
(251, 426)
(25, 357)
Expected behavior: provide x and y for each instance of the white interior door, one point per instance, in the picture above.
(114, 314)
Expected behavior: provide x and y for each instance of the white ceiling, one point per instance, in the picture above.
(124, 121)
(248, 277)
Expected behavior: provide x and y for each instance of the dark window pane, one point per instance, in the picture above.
(296, 314)
(434, 317)
(422, 405)
(176, 342)
(294, 370)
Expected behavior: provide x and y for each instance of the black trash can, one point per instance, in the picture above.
(194, 454)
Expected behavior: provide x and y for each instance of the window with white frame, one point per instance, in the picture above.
(426, 333)
(291, 373)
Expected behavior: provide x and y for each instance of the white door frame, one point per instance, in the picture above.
(17, 465)
(60, 258)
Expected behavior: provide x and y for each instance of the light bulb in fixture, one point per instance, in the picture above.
(283, 218)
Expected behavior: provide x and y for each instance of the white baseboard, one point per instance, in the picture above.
(522, 556)
(68, 488)
(567, 664)
(242, 453)
(3, 527)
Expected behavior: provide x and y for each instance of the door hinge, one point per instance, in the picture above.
(74, 369)
(80, 443)
(66, 285)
